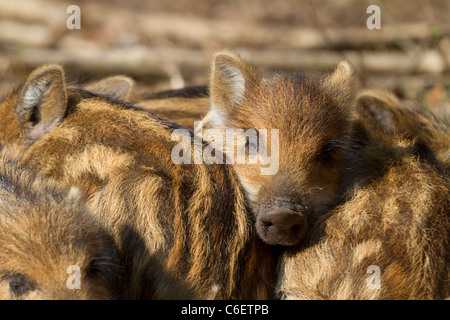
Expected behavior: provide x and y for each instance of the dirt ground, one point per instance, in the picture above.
(168, 44)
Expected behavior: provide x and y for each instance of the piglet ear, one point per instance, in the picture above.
(42, 101)
(339, 82)
(230, 78)
(116, 87)
(342, 75)
(380, 109)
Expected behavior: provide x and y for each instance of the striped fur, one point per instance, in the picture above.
(314, 118)
(397, 118)
(396, 218)
(191, 220)
(45, 230)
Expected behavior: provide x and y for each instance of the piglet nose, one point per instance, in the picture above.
(282, 226)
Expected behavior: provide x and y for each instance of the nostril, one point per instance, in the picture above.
(281, 226)
(295, 228)
(267, 224)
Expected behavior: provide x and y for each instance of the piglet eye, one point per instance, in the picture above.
(328, 152)
(19, 284)
(327, 155)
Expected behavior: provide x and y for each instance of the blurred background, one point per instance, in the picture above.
(168, 44)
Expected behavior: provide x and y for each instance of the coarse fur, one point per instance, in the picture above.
(314, 118)
(400, 119)
(191, 220)
(389, 239)
(45, 230)
(330, 154)
(192, 92)
(184, 111)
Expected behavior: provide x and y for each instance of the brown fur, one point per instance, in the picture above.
(384, 185)
(399, 119)
(180, 110)
(191, 92)
(115, 87)
(44, 229)
(192, 220)
(315, 122)
(396, 218)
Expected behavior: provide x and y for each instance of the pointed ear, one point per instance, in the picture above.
(340, 82)
(116, 87)
(230, 76)
(342, 75)
(42, 101)
(378, 108)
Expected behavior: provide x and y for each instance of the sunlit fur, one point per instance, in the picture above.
(45, 229)
(395, 218)
(180, 110)
(397, 118)
(312, 113)
(190, 220)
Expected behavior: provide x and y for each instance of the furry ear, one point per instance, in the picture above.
(230, 76)
(378, 108)
(116, 87)
(42, 101)
(342, 75)
(339, 82)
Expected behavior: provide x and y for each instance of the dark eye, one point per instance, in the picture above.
(327, 154)
(19, 284)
